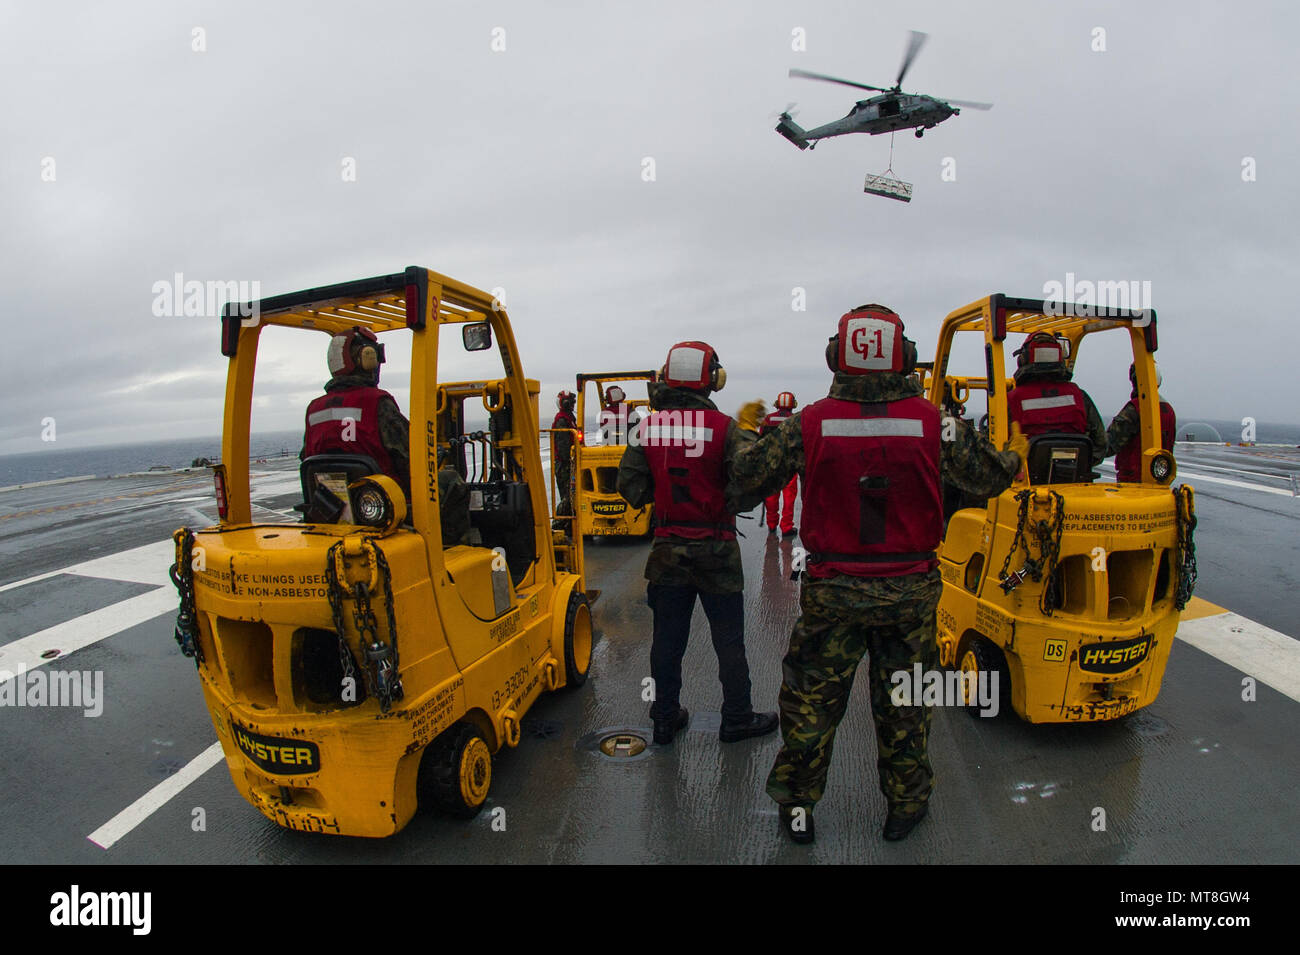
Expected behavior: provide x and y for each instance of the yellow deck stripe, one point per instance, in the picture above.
(1197, 608)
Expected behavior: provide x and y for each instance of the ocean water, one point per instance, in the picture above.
(123, 459)
(180, 452)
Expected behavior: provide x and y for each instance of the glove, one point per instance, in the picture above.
(750, 415)
(1020, 445)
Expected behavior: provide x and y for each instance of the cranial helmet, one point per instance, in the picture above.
(1133, 376)
(1042, 354)
(356, 351)
(615, 395)
(785, 401)
(693, 365)
(870, 339)
(564, 401)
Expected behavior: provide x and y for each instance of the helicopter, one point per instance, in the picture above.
(887, 113)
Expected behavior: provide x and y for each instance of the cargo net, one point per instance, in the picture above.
(885, 185)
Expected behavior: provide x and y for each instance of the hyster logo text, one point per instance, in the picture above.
(102, 908)
(1114, 657)
(282, 756)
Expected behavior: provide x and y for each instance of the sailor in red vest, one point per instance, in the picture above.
(1045, 400)
(355, 416)
(872, 456)
(679, 457)
(785, 405)
(561, 451)
(613, 418)
(1124, 439)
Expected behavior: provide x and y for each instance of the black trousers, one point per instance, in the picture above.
(673, 607)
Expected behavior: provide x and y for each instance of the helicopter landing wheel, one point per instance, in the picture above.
(920, 133)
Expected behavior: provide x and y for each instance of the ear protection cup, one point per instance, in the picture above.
(833, 353)
(345, 358)
(909, 355)
(719, 379)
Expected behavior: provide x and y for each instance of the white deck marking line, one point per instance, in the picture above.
(139, 565)
(144, 807)
(1247, 471)
(32, 580)
(81, 632)
(1270, 657)
(1218, 480)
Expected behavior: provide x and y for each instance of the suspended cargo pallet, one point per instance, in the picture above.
(889, 188)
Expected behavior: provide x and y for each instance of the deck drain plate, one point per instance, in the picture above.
(619, 744)
(622, 745)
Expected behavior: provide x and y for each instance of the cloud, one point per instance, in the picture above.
(524, 169)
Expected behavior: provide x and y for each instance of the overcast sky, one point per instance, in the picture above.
(523, 168)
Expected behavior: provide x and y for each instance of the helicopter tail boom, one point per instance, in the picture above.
(792, 131)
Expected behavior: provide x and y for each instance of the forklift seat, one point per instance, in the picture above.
(1060, 458)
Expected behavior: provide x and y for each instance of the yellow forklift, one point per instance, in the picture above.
(600, 510)
(1068, 588)
(353, 665)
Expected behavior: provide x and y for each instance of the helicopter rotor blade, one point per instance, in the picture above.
(805, 74)
(914, 44)
(788, 111)
(965, 104)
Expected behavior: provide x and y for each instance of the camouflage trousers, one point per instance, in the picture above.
(891, 620)
(564, 488)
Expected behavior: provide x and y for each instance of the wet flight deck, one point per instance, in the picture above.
(1200, 776)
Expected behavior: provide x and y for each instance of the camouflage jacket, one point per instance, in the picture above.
(394, 429)
(1097, 432)
(1123, 428)
(766, 464)
(712, 566)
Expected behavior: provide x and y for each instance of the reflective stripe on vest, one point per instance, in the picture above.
(334, 414)
(872, 427)
(1036, 404)
(676, 434)
(346, 421)
(686, 452)
(1043, 407)
(872, 502)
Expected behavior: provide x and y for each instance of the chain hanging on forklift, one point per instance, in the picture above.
(380, 659)
(1185, 504)
(182, 575)
(1047, 531)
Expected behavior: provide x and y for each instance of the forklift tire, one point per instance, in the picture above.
(577, 640)
(980, 656)
(456, 771)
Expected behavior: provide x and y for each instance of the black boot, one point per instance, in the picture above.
(899, 824)
(799, 827)
(666, 729)
(756, 724)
